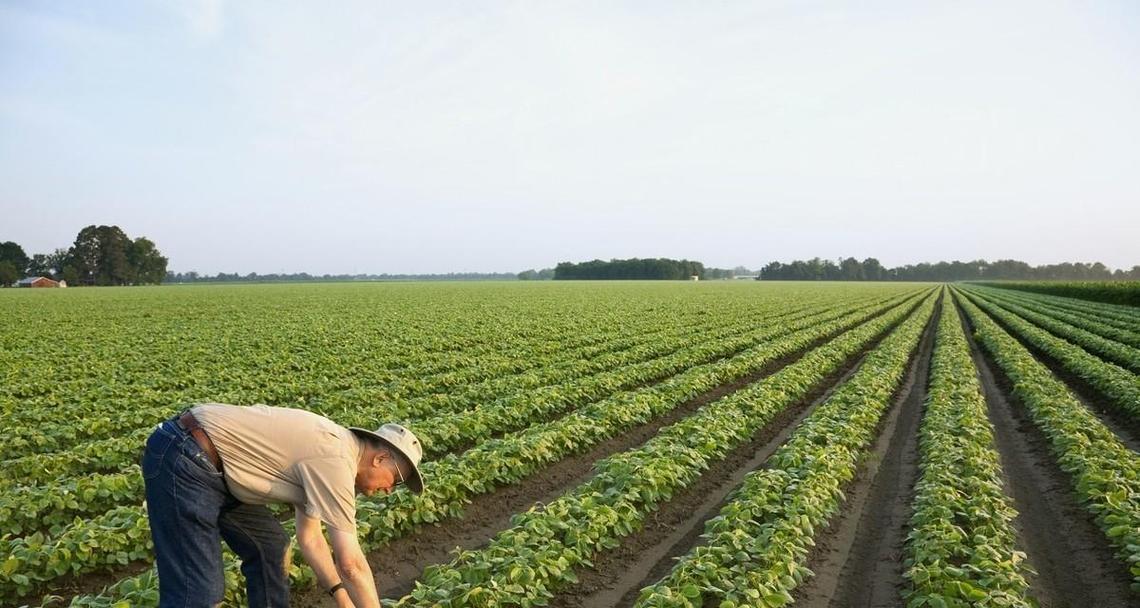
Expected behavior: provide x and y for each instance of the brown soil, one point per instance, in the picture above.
(398, 564)
(858, 560)
(491, 513)
(618, 575)
(483, 518)
(554, 415)
(68, 587)
(647, 555)
(1074, 563)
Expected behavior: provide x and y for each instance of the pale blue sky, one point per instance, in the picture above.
(411, 137)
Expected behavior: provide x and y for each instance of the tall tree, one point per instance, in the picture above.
(147, 264)
(40, 267)
(114, 268)
(873, 270)
(8, 273)
(57, 260)
(14, 254)
(851, 269)
(99, 256)
(83, 257)
(48, 264)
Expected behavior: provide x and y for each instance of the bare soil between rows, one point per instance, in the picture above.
(647, 555)
(487, 514)
(554, 415)
(1126, 429)
(400, 563)
(1075, 566)
(858, 559)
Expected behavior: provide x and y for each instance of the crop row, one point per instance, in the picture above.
(290, 345)
(101, 384)
(1110, 350)
(523, 564)
(465, 381)
(548, 377)
(754, 552)
(1127, 317)
(962, 546)
(53, 507)
(297, 329)
(456, 478)
(1125, 293)
(38, 564)
(61, 501)
(1105, 473)
(1121, 387)
(1086, 320)
(114, 453)
(448, 431)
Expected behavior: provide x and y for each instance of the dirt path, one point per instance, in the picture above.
(648, 555)
(1074, 563)
(858, 560)
(399, 564)
(644, 557)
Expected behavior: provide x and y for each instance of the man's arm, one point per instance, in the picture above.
(353, 569)
(317, 554)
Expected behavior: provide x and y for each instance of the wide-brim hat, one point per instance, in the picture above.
(404, 443)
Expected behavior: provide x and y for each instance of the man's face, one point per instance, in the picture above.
(381, 472)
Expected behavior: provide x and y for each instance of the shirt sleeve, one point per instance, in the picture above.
(330, 491)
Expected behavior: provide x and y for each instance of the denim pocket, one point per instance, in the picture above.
(199, 460)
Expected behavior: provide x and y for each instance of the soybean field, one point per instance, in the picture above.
(648, 444)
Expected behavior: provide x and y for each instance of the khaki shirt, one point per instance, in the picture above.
(283, 455)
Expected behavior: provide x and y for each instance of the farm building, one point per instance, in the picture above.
(40, 282)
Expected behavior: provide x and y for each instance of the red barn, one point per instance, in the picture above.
(39, 282)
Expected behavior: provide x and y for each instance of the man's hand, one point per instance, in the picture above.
(350, 568)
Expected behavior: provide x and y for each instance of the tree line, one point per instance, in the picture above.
(635, 268)
(100, 255)
(851, 269)
(546, 274)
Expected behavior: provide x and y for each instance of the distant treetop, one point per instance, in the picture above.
(850, 269)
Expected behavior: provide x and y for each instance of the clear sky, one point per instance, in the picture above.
(370, 137)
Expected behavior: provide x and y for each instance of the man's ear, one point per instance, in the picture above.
(378, 457)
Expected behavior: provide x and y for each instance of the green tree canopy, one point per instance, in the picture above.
(105, 255)
(146, 262)
(14, 254)
(870, 269)
(8, 273)
(48, 264)
(659, 269)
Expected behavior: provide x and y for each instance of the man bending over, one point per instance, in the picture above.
(211, 470)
